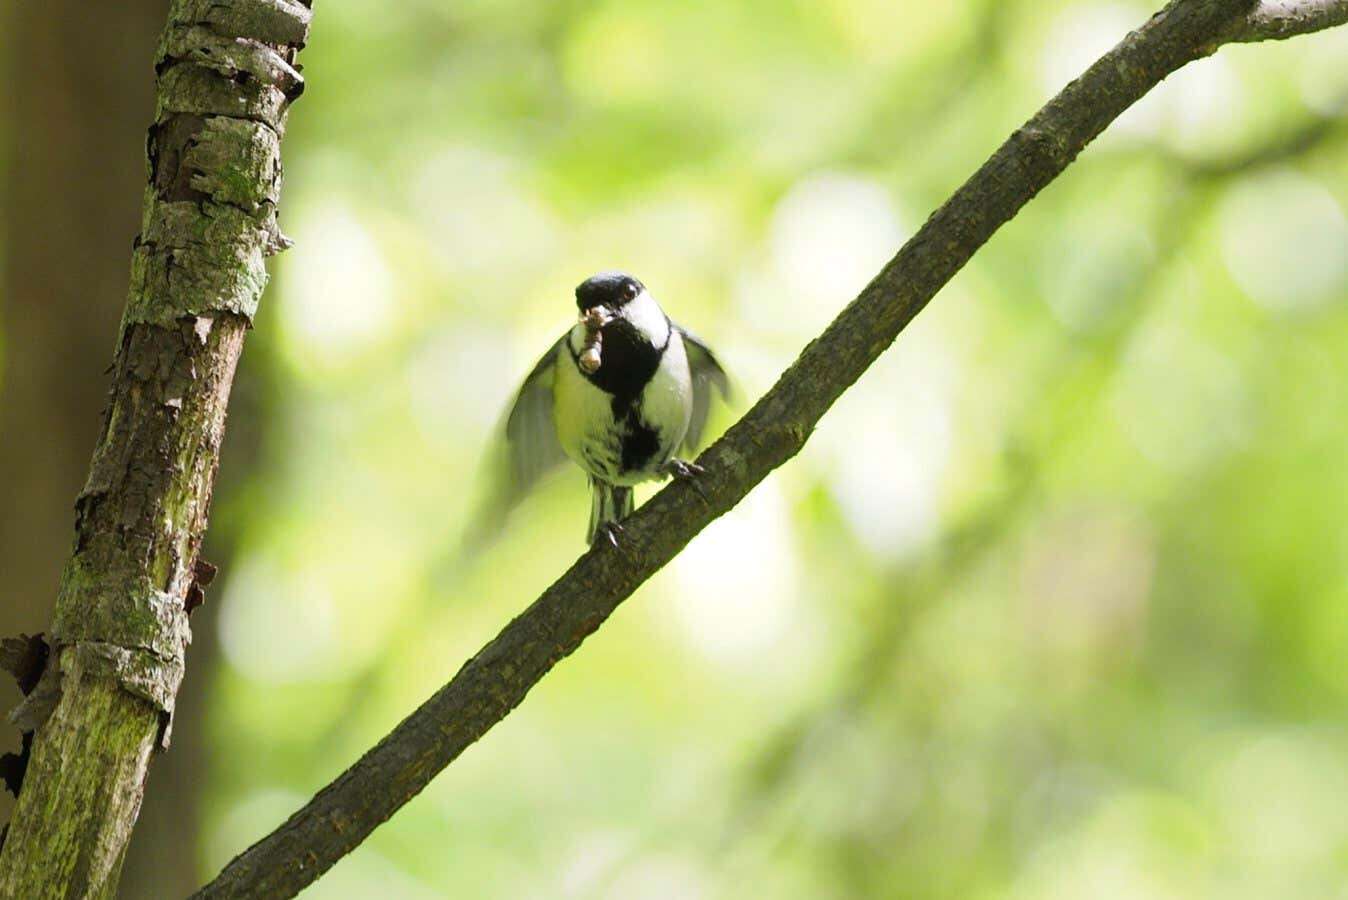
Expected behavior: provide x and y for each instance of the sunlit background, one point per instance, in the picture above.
(1054, 604)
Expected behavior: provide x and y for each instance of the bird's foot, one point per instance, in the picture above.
(688, 473)
(610, 532)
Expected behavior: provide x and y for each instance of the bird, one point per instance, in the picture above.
(621, 394)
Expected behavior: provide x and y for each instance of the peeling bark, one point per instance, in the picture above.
(497, 679)
(226, 78)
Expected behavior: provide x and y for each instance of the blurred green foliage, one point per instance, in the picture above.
(1054, 604)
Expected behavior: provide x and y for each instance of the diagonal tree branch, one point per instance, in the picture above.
(494, 681)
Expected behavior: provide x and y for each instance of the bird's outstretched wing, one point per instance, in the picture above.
(530, 432)
(707, 373)
(526, 451)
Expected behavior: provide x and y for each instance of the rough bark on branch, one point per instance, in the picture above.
(494, 681)
(119, 633)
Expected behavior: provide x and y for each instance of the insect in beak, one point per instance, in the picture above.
(591, 354)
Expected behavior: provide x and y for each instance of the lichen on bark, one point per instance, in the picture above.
(225, 78)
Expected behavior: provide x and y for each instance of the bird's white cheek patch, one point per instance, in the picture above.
(648, 318)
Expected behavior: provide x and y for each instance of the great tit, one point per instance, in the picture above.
(620, 394)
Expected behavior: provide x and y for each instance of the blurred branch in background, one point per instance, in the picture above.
(495, 680)
(1074, 379)
(900, 117)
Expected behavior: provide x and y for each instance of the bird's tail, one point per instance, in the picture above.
(608, 503)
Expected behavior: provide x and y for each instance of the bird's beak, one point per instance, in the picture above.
(595, 316)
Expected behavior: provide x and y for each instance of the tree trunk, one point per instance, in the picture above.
(67, 225)
(58, 322)
(120, 630)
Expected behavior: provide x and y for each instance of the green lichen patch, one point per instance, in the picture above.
(101, 603)
(236, 162)
(198, 259)
(148, 676)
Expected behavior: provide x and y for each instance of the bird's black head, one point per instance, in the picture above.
(611, 289)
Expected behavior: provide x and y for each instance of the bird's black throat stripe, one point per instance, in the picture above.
(629, 363)
(640, 441)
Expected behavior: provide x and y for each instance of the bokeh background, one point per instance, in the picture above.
(1054, 603)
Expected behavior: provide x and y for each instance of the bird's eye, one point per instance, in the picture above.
(630, 290)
